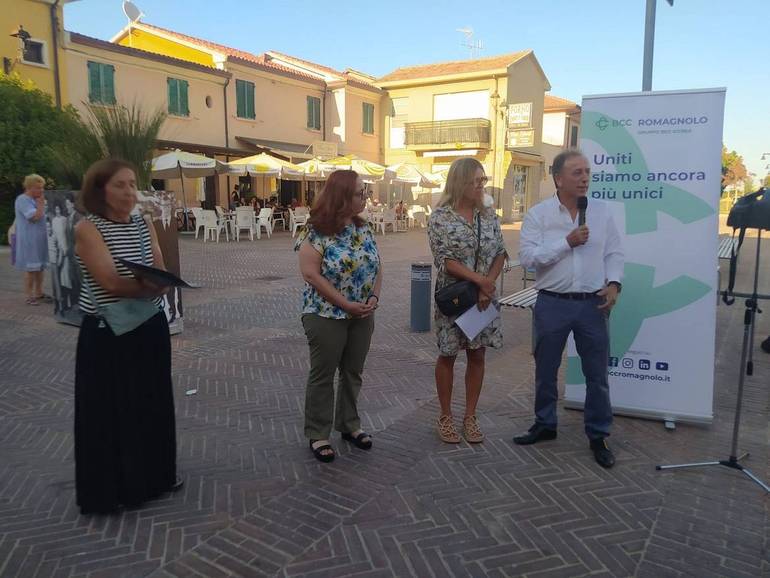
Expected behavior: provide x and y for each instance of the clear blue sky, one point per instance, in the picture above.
(585, 47)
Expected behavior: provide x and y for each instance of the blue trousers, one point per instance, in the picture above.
(554, 319)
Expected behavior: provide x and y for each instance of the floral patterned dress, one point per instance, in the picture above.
(452, 237)
(350, 262)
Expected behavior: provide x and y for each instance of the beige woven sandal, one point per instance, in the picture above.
(447, 431)
(471, 430)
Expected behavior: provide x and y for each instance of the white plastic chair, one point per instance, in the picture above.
(212, 224)
(417, 216)
(198, 214)
(388, 218)
(275, 217)
(244, 219)
(297, 222)
(264, 219)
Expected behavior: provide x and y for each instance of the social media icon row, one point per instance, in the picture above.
(643, 364)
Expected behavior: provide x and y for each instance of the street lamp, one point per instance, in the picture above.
(649, 43)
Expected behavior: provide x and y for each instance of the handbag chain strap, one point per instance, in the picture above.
(478, 241)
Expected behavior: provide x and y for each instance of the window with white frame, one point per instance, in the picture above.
(34, 52)
(398, 118)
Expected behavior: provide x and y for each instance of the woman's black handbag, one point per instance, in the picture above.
(457, 298)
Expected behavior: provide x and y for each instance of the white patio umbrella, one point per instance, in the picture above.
(180, 164)
(267, 165)
(410, 175)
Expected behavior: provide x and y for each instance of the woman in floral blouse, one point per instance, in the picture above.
(339, 261)
(452, 232)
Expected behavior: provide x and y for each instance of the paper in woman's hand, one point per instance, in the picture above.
(474, 320)
(156, 276)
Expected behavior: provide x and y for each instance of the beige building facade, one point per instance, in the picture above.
(561, 131)
(490, 109)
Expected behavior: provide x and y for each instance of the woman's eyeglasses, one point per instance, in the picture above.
(480, 181)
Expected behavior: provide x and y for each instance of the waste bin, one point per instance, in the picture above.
(421, 300)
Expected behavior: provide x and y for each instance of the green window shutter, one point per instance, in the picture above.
(108, 84)
(240, 98)
(244, 99)
(184, 107)
(314, 112)
(250, 100)
(172, 98)
(94, 82)
(368, 124)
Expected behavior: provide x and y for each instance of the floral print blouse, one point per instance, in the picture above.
(349, 261)
(452, 237)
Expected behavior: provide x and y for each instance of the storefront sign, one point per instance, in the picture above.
(521, 138)
(520, 115)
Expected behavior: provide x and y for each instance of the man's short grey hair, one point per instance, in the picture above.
(561, 158)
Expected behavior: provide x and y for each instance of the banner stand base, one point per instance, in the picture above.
(667, 418)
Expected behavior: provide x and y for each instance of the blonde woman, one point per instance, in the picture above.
(453, 232)
(31, 247)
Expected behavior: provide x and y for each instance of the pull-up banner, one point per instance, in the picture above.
(656, 159)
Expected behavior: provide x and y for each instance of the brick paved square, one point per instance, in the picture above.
(256, 503)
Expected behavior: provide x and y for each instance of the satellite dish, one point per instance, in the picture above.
(131, 11)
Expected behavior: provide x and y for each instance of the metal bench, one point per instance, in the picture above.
(525, 298)
(724, 251)
(726, 245)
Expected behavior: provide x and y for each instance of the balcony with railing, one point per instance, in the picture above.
(464, 133)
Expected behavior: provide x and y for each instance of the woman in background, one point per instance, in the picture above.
(31, 247)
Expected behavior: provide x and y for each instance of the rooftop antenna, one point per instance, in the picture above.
(473, 46)
(133, 14)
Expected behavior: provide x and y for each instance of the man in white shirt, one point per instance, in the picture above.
(578, 271)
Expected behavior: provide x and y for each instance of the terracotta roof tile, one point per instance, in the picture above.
(453, 67)
(78, 38)
(242, 55)
(308, 63)
(552, 102)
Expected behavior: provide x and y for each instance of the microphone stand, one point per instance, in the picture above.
(746, 362)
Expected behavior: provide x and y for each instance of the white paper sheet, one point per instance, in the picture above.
(473, 321)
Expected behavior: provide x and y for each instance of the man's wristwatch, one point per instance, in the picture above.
(616, 284)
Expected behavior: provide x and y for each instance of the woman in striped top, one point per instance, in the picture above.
(125, 438)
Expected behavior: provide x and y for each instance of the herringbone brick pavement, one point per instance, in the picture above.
(255, 502)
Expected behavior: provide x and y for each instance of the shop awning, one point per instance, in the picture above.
(284, 149)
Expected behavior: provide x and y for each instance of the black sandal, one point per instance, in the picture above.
(326, 458)
(358, 440)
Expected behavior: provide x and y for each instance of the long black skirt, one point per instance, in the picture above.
(125, 438)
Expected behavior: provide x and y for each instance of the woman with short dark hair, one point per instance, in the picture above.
(125, 440)
(339, 261)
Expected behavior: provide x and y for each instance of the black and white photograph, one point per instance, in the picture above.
(61, 218)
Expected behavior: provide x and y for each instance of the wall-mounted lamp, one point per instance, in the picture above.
(22, 35)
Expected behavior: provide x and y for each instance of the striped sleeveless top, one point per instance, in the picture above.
(122, 241)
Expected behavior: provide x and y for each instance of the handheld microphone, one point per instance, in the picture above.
(582, 205)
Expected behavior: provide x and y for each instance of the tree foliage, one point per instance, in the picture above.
(733, 169)
(37, 137)
(31, 128)
(129, 133)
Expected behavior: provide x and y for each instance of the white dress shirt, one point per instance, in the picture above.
(559, 267)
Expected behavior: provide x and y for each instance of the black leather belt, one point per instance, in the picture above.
(576, 296)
